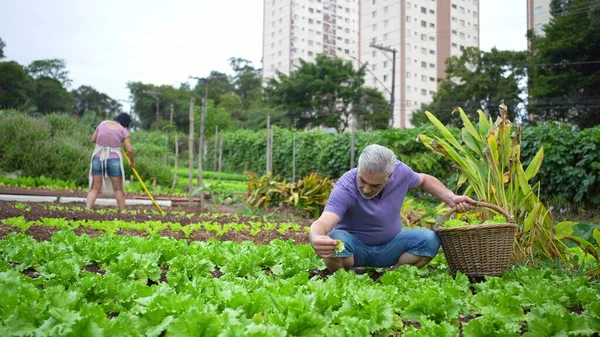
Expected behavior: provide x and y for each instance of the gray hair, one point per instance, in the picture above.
(377, 159)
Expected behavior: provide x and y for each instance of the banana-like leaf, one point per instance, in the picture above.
(469, 126)
(564, 229)
(535, 164)
(596, 235)
(492, 154)
(471, 142)
(444, 131)
(484, 124)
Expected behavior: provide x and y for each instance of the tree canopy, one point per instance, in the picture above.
(565, 67)
(477, 80)
(320, 93)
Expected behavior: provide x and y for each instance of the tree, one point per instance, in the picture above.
(16, 87)
(477, 80)
(564, 71)
(233, 104)
(144, 97)
(372, 112)
(88, 98)
(218, 85)
(51, 96)
(320, 93)
(2, 45)
(246, 81)
(52, 68)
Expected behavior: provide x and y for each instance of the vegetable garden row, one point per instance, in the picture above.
(94, 282)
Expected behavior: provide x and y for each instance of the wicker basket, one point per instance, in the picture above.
(478, 250)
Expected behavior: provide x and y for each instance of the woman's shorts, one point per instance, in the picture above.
(113, 167)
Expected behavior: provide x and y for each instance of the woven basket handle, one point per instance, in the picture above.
(477, 204)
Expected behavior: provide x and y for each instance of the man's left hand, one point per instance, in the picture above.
(462, 203)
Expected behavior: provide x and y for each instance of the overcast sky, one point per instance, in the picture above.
(107, 43)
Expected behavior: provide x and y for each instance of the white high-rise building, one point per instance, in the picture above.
(301, 29)
(424, 33)
(538, 14)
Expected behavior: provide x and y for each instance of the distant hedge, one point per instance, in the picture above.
(58, 146)
(570, 171)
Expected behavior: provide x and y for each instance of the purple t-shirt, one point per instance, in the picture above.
(377, 220)
(112, 134)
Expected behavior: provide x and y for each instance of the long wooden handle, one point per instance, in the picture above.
(478, 204)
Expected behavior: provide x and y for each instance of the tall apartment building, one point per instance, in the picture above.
(538, 14)
(424, 33)
(301, 29)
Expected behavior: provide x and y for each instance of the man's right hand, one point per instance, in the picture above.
(323, 245)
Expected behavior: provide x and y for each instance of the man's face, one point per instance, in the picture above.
(370, 184)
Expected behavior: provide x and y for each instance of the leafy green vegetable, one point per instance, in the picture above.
(455, 223)
(340, 246)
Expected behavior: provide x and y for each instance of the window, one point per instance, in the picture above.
(461, 9)
(374, 13)
(347, 51)
(407, 74)
(385, 77)
(431, 79)
(432, 38)
(431, 65)
(423, 64)
(423, 78)
(453, 19)
(475, 2)
(431, 92)
(462, 23)
(424, 51)
(310, 42)
(423, 37)
(453, 6)
(423, 23)
(453, 32)
(385, 23)
(407, 19)
(374, 1)
(385, 63)
(453, 45)
(374, 67)
(374, 54)
(310, 53)
(374, 27)
(311, 21)
(537, 10)
(409, 89)
(462, 48)
(462, 35)
(431, 25)
(408, 103)
(538, 28)
(431, 11)
(347, 41)
(385, 9)
(423, 10)
(423, 92)
(310, 10)
(474, 14)
(431, 51)
(385, 37)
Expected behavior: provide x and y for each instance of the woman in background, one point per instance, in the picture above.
(107, 175)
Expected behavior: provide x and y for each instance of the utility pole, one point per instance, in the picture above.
(393, 51)
(201, 141)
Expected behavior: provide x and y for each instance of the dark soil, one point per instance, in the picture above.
(92, 268)
(44, 233)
